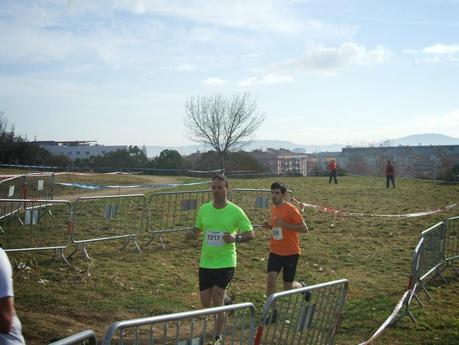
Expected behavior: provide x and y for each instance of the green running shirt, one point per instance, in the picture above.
(216, 253)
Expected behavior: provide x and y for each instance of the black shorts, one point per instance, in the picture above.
(286, 263)
(209, 277)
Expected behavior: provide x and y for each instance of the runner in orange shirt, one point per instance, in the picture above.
(284, 250)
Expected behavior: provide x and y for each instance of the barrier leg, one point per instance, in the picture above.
(443, 278)
(126, 243)
(74, 251)
(418, 300)
(82, 248)
(19, 218)
(425, 290)
(162, 242)
(85, 252)
(455, 269)
(60, 252)
(137, 246)
(133, 240)
(408, 312)
(150, 240)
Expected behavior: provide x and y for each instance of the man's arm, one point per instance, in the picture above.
(301, 227)
(193, 234)
(6, 314)
(266, 225)
(239, 238)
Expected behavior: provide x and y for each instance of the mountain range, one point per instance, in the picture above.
(411, 140)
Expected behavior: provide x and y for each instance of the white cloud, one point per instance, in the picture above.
(438, 52)
(329, 60)
(440, 49)
(214, 81)
(266, 79)
(262, 15)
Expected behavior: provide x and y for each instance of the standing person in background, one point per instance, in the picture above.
(284, 249)
(222, 224)
(389, 172)
(332, 169)
(10, 326)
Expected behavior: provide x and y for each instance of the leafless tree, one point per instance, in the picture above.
(224, 124)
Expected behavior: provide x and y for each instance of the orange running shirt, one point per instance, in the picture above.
(283, 240)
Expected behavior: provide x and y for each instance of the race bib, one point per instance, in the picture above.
(277, 233)
(215, 238)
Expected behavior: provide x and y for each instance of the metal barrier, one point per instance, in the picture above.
(187, 328)
(431, 255)
(174, 211)
(11, 188)
(308, 315)
(83, 338)
(256, 203)
(413, 285)
(451, 252)
(39, 186)
(40, 232)
(102, 218)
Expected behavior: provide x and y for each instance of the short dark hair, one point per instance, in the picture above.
(221, 178)
(279, 185)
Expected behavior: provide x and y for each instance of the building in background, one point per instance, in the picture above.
(78, 149)
(282, 161)
(429, 162)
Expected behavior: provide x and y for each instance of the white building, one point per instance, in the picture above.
(78, 149)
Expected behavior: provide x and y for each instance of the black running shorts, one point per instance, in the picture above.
(286, 263)
(209, 277)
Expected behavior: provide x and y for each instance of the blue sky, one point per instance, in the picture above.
(120, 72)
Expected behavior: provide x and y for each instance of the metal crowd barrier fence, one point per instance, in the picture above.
(431, 255)
(174, 211)
(451, 252)
(83, 338)
(40, 232)
(413, 285)
(256, 203)
(11, 188)
(102, 218)
(308, 315)
(196, 327)
(39, 186)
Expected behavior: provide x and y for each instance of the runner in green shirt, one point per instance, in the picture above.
(221, 224)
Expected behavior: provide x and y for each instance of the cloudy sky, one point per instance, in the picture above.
(120, 72)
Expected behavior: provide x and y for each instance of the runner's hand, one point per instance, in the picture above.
(228, 238)
(189, 235)
(266, 225)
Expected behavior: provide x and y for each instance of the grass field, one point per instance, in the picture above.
(373, 253)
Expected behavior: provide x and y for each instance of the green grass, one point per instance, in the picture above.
(373, 253)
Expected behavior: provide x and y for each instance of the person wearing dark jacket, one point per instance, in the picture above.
(389, 172)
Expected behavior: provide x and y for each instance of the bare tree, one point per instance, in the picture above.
(223, 124)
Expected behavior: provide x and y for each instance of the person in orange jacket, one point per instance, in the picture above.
(332, 168)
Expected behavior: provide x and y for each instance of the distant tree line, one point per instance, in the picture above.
(15, 149)
(170, 160)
